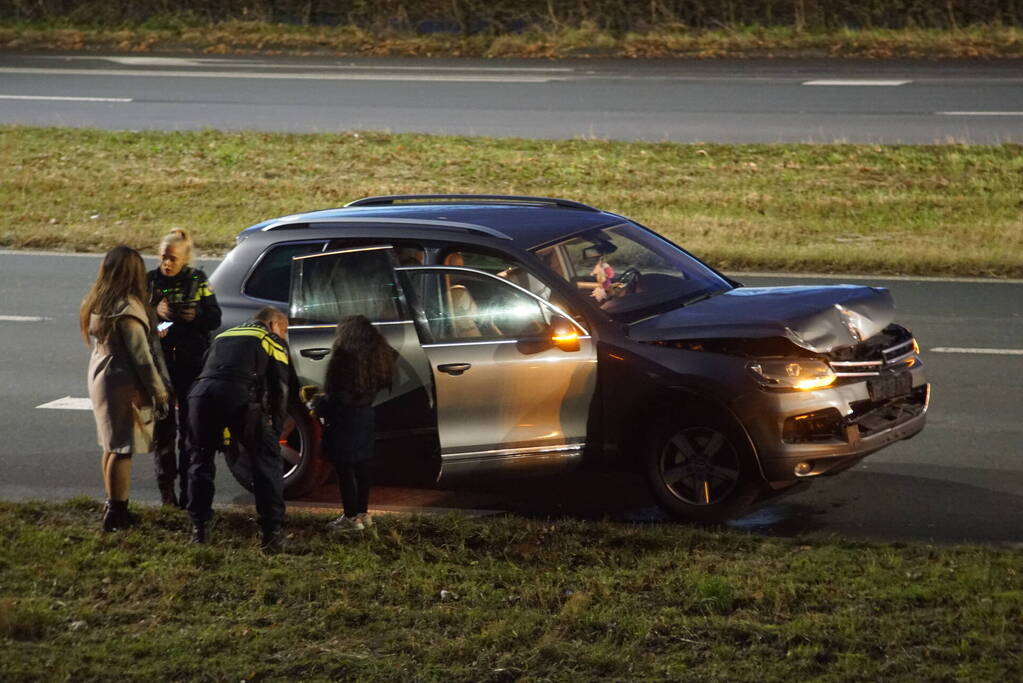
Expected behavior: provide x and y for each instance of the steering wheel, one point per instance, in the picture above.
(630, 279)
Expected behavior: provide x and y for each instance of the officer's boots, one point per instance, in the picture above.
(200, 535)
(167, 496)
(272, 541)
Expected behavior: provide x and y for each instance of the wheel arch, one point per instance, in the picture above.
(666, 402)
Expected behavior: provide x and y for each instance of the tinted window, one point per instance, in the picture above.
(271, 278)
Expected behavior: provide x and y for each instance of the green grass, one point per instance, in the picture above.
(450, 598)
(187, 34)
(942, 209)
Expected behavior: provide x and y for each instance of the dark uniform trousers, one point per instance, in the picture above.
(208, 416)
(173, 462)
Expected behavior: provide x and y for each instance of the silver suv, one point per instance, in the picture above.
(537, 335)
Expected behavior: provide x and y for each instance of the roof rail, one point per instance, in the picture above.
(406, 222)
(517, 199)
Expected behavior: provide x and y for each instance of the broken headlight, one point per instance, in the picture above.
(803, 374)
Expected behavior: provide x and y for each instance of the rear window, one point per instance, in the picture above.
(270, 280)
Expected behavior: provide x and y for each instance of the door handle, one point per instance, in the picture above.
(454, 369)
(315, 354)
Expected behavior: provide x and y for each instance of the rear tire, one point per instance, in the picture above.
(303, 468)
(700, 467)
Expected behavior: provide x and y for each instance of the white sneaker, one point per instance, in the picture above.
(366, 520)
(343, 524)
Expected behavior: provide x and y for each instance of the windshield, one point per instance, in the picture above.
(632, 272)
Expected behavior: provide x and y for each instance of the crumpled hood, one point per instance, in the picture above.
(816, 318)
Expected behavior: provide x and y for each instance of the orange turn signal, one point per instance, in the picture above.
(566, 341)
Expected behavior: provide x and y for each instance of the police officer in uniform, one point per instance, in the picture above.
(243, 387)
(184, 300)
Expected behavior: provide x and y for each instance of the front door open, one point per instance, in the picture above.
(508, 398)
(326, 288)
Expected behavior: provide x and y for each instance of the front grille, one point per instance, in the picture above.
(892, 348)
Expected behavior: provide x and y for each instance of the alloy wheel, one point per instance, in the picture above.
(699, 466)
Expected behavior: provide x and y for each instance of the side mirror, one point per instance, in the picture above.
(560, 333)
(564, 334)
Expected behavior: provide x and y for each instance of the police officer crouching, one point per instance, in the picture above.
(243, 387)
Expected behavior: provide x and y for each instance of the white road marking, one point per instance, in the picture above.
(67, 403)
(23, 318)
(65, 99)
(307, 76)
(853, 81)
(997, 352)
(979, 113)
(151, 61)
(207, 62)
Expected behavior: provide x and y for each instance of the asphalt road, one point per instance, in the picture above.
(960, 480)
(710, 101)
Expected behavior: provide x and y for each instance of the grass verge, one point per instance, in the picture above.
(253, 37)
(449, 598)
(922, 210)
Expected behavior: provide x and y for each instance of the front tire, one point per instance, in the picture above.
(700, 467)
(302, 468)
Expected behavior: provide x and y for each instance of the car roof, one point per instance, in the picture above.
(529, 222)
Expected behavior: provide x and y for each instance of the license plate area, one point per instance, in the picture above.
(890, 386)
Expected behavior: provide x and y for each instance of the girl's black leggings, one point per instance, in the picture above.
(353, 479)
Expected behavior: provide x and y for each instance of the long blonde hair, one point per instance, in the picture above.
(178, 236)
(121, 274)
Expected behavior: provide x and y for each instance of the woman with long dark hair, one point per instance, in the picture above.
(361, 364)
(126, 373)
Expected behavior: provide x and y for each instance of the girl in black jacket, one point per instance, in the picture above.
(361, 364)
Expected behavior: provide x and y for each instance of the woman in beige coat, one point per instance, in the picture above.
(126, 373)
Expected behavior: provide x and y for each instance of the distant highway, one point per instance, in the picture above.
(960, 480)
(686, 101)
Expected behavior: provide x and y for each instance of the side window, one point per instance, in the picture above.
(469, 307)
(332, 286)
(405, 253)
(499, 265)
(271, 277)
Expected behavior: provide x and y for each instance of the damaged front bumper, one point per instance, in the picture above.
(801, 435)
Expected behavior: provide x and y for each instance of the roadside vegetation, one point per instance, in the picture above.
(944, 209)
(988, 29)
(494, 599)
(235, 37)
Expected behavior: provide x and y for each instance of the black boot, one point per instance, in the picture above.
(199, 534)
(272, 541)
(109, 516)
(167, 496)
(116, 516)
(127, 519)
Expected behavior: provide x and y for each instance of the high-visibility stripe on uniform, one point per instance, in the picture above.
(272, 348)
